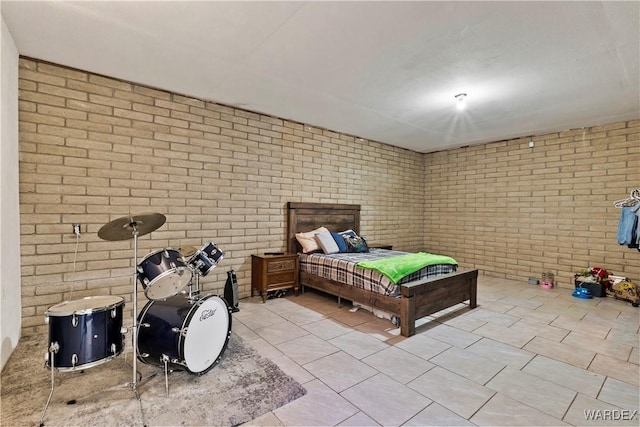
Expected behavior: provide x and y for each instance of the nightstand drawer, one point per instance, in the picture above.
(273, 266)
(281, 278)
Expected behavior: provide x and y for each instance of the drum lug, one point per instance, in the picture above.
(74, 360)
(144, 355)
(145, 325)
(182, 332)
(124, 330)
(172, 264)
(140, 270)
(46, 320)
(165, 253)
(74, 320)
(113, 348)
(113, 313)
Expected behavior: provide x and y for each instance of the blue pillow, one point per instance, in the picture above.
(339, 238)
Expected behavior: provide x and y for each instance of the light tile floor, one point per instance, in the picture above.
(525, 356)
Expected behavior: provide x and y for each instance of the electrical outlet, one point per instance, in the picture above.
(76, 229)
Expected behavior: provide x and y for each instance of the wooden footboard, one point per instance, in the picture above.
(417, 299)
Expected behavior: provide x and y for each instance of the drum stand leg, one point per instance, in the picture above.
(165, 359)
(53, 348)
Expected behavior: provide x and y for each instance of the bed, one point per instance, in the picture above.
(414, 300)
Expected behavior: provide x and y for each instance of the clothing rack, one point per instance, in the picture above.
(632, 200)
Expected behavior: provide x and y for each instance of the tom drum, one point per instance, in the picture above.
(163, 273)
(206, 259)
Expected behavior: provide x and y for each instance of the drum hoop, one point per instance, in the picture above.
(86, 310)
(90, 364)
(150, 254)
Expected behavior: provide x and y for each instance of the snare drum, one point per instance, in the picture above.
(188, 334)
(163, 273)
(206, 259)
(86, 332)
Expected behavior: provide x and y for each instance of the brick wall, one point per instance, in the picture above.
(515, 211)
(93, 149)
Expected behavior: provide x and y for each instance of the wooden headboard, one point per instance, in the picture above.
(303, 217)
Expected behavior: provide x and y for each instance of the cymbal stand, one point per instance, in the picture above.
(53, 348)
(134, 384)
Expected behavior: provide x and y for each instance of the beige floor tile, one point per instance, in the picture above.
(602, 346)
(359, 420)
(550, 398)
(505, 354)
(340, 370)
(278, 333)
(386, 401)
(306, 349)
(521, 302)
(489, 316)
(292, 369)
(351, 318)
(572, 377)
(624, 336)
(450, 335)
(258, 317)
(358, 344)
(561, 352)
(583, 326)
(504, 411)
(587, 411)
(495, 306)
(302, 316)
(609, 366)
(530, 315)
(242, 330)
(527, 328)
(468, 364)
(635, 356)
(327, 328)
(458, 394)
(504, 334)
(621, 394)
(321, 406)
(464, 323)
(437, 415)
(267, 420)
(398, 364)
(423, 346)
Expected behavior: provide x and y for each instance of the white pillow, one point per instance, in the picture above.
(327, 243)
(308, 241)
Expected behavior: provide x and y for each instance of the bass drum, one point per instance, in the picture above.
(85, 332)
(189, 334)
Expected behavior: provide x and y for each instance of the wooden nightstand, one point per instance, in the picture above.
(274, 272)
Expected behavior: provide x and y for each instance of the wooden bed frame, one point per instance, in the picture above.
(417, 299)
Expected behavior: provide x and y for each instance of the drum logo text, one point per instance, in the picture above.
(206, 314)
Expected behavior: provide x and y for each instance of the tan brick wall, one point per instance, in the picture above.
(93, 149)
(514, 211)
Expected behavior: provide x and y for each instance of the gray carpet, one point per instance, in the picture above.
(242, 386)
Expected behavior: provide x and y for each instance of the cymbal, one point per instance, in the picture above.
(187, 251)
(122, 228)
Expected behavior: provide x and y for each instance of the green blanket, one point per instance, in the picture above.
(397, 267)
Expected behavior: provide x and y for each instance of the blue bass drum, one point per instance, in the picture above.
(85, 332)
(187, 334)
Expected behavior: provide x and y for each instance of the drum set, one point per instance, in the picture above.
(176, 329)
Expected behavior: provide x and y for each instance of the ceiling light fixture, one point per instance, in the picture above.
(462, 101)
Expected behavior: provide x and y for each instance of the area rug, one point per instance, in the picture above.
(240, 387)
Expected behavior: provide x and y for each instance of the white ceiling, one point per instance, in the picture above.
(385, 71)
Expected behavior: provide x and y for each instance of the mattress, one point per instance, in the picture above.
(341, 267)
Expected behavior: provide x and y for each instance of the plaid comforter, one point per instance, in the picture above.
(342, 268)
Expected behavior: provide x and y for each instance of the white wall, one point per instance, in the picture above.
(10, 301)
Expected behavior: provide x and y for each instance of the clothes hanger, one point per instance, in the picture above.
(632, 200)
